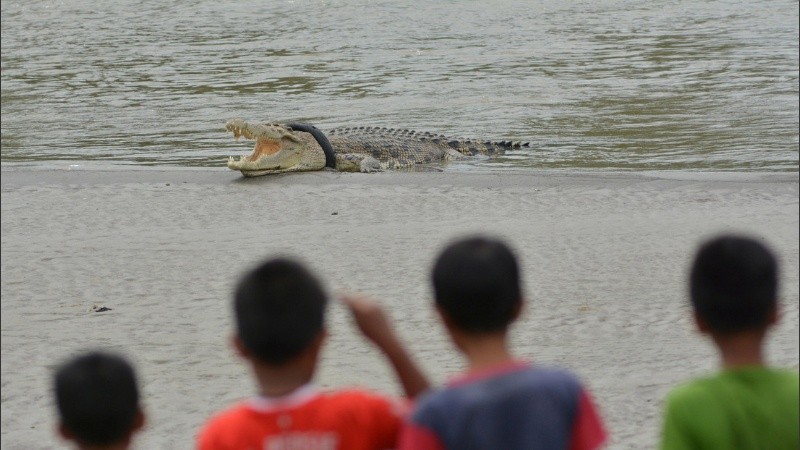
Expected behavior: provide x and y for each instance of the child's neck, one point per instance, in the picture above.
(119, 446)
(741, 349)
(280, 381)
(485, 351)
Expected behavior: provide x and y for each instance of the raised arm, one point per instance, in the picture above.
(374, 325)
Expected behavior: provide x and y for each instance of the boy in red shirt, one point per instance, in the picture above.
(280, 331)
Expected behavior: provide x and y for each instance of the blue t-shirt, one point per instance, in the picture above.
(514, 406)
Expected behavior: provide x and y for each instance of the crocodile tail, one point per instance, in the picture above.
(509, 144)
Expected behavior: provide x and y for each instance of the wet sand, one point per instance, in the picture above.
(604, 257)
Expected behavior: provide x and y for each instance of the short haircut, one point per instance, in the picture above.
(97, 398)
(280, 309)
(734, 283)
(476, 282)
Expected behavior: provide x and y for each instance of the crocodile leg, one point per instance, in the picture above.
(353, 162)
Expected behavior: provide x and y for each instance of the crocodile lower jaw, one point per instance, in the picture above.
(245, 164)
(258, 173)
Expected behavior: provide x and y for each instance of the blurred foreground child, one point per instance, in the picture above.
(747, 405)
(502, 402)
(280, 331)
(98, 402)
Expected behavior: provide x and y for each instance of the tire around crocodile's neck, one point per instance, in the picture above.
(330, 159)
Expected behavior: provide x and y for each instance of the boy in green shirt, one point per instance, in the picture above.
(747, 405)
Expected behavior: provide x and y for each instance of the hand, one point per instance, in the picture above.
(374, 324)
(370, 319)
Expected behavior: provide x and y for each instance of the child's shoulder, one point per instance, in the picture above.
(790, 375)
(749, 374)
(515, 372)
(522, 380)
(351, 396)
(324, 406)
(701, 390)
(358, 400)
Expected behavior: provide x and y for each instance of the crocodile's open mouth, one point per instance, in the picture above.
(276, 148)
(264, 145)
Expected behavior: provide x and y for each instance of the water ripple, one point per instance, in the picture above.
(612, 84)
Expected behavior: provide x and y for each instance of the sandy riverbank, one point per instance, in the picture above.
(604, 259)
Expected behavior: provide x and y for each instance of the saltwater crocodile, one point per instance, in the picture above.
(294, 147)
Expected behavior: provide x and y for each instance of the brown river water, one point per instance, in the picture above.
(607, 84)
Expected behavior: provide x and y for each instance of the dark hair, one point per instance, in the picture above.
(97, 398)
(476, 282)
(280, 309)
(733, 284)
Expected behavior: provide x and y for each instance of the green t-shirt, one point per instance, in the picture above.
(750, 408)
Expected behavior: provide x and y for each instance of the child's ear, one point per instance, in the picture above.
(138, 424)
(774, 315)
(445, 318)
(451, 328)
(139, 421)
(320, 339)
(64, 432)
(241, 349)
(700, 323)
(518, 309)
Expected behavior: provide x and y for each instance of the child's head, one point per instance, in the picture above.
(280, 310)
(733, 285)
(476, 284)
(98, 400)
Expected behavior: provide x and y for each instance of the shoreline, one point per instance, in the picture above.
(19, 175)
(603, 254)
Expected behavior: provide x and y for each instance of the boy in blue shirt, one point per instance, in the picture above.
(502, 402)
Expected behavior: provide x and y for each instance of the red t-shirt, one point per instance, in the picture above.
(307, 419)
